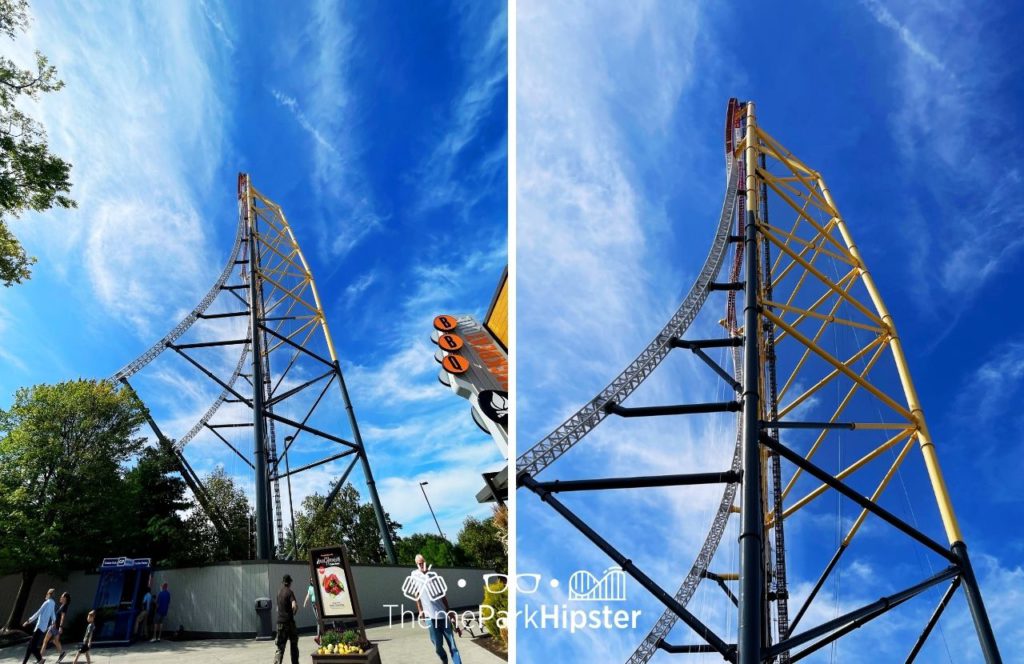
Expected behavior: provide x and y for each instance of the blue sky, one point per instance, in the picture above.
(381, 131)
(909, 111)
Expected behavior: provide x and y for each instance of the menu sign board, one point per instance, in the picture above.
(330, 571)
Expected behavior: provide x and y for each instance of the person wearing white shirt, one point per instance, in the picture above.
(438, 615)
(44, 618)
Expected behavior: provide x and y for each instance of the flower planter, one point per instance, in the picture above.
(371, 656)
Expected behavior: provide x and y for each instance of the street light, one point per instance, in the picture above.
(423, 484)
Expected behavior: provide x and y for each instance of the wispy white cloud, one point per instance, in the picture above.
(144, 135)
(217, 20)
(909, 39)
(326, 109)
(446, 175)
(300, 117)
(359, 286)
(963, 229)
(594, 287)
(994, 385)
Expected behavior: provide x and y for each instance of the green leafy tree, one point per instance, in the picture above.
(481, 542)
(154, 502)
(436, 549)
(31, 178)
(346, 521)
(62, 451)
(227, 499)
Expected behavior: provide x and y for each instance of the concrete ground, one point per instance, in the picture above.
(398, 645)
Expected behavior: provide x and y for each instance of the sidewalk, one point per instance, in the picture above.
(398, 645)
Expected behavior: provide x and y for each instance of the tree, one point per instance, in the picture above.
(229, 500)
(436, 549)
(31, 178)
(346, 521)
(481, 543)
(63, 448)
(153, 503)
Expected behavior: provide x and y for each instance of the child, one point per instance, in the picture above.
(87, 640)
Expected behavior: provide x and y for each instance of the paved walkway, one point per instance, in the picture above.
(398, 645)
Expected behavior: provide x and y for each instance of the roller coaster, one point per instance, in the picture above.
(812, 318)
(265, 303)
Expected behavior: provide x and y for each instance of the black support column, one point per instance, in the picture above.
(752, 517)
(264, 541)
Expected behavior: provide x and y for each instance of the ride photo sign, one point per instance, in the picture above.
(330, 572)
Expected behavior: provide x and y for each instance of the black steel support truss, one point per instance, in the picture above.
(759, 433)
(726, 650)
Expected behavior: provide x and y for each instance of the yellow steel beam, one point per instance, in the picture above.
(931, 460)
(878, 492)
(825, 355)
(811, 198)
(289, 293)
(825, 280)
(783, 155)
(808, 218)
(316, 294)
(806, 353)
(846, 472)
(818, 248)
(799, 240)
(799, 286)
(308, 324)
(835, 418)
(829, 318)
(827, 379)
(778, 259)
(845, 283)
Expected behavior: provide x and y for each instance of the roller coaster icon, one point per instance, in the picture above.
(586, 587)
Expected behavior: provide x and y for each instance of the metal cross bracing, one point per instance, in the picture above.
(825, 406)
(285, 388)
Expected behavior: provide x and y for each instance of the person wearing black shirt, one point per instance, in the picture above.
(286, 629)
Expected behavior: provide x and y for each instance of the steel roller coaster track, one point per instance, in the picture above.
(284, 312)
(774, 309)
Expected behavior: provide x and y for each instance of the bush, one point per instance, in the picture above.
(496, 597)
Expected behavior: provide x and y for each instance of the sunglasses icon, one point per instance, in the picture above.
(525, 583)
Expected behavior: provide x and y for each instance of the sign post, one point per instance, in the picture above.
(336, 598)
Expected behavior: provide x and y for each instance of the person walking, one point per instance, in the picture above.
(44, 618)
(90, 628)
(286, 629)
(142, 620)
(440, 618)
(311, 597)
(163, 603)
(57, 628)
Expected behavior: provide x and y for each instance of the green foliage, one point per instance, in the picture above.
(349, 637)
(481, 544)
(347, 522)
(496, 597)
(31, 178)
(438, 551)
(228, 500)
(62, 450)
(330, 637)
(153, 501)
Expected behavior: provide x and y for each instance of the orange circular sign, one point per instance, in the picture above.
(450, 341)
(455, 364)
(445, 323)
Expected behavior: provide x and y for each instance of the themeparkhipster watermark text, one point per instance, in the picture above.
(584, 586)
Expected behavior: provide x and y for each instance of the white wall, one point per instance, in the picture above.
(219, 599)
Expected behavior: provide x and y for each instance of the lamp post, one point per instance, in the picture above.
(423, 484)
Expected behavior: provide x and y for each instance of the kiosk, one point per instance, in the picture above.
(122, 585)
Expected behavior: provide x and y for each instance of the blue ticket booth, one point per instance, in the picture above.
(122, 585)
